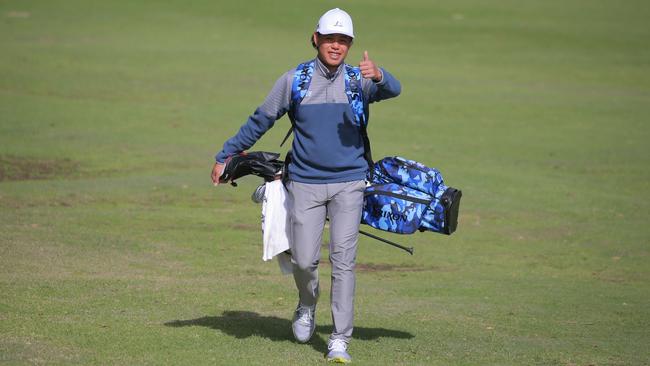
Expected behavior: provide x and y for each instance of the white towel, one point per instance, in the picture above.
(275, 225)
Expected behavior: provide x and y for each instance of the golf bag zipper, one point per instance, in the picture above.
(398, 195)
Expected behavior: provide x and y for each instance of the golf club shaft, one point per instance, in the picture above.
(409, 249)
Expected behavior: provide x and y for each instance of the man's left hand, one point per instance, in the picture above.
(368, 68)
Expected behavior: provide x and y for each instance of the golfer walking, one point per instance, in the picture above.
(326, 174)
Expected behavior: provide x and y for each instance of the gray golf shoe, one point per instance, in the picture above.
(338, 351)
(304, 323)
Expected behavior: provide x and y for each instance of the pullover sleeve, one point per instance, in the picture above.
(274, 107)
(388, 87)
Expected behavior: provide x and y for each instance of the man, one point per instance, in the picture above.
(326, 173)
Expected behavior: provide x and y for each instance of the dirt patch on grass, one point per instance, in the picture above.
(22, 168)
(385, 267)
(246, 227)
(35, 352)
(18, 14)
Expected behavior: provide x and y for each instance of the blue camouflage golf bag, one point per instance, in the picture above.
(406, 196)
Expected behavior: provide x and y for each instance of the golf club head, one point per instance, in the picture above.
(260, 163)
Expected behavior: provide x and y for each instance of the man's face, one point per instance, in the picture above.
(332, 48)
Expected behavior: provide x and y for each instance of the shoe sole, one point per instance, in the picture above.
(338, 360)
(300, 340)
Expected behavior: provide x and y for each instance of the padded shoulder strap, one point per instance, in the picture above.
(354, 91)
(301, 80)
(355, 94)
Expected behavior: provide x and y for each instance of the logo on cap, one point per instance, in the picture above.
(337, 24)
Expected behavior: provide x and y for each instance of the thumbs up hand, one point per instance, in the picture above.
(368, 68)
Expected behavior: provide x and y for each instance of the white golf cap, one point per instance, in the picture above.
(335, 21)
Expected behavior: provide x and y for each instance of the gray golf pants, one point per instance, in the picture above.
(312, 203)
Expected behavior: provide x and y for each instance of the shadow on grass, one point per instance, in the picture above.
(243, 324)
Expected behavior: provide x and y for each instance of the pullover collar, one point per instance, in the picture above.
(329, 75)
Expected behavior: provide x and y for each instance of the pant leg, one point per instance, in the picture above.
(344, 210)
(307, 219)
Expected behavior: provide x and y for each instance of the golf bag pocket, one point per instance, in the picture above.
(442, 215)
(408, 173)
(394, 208)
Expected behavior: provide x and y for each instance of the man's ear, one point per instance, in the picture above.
(314, 40)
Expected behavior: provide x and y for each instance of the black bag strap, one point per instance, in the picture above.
(367, 153)
(291, 128)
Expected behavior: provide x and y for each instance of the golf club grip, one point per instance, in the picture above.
(408, 249)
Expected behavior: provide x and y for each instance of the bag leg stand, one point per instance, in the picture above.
(408, 249)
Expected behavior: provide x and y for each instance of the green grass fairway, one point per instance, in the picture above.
(115, 249)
